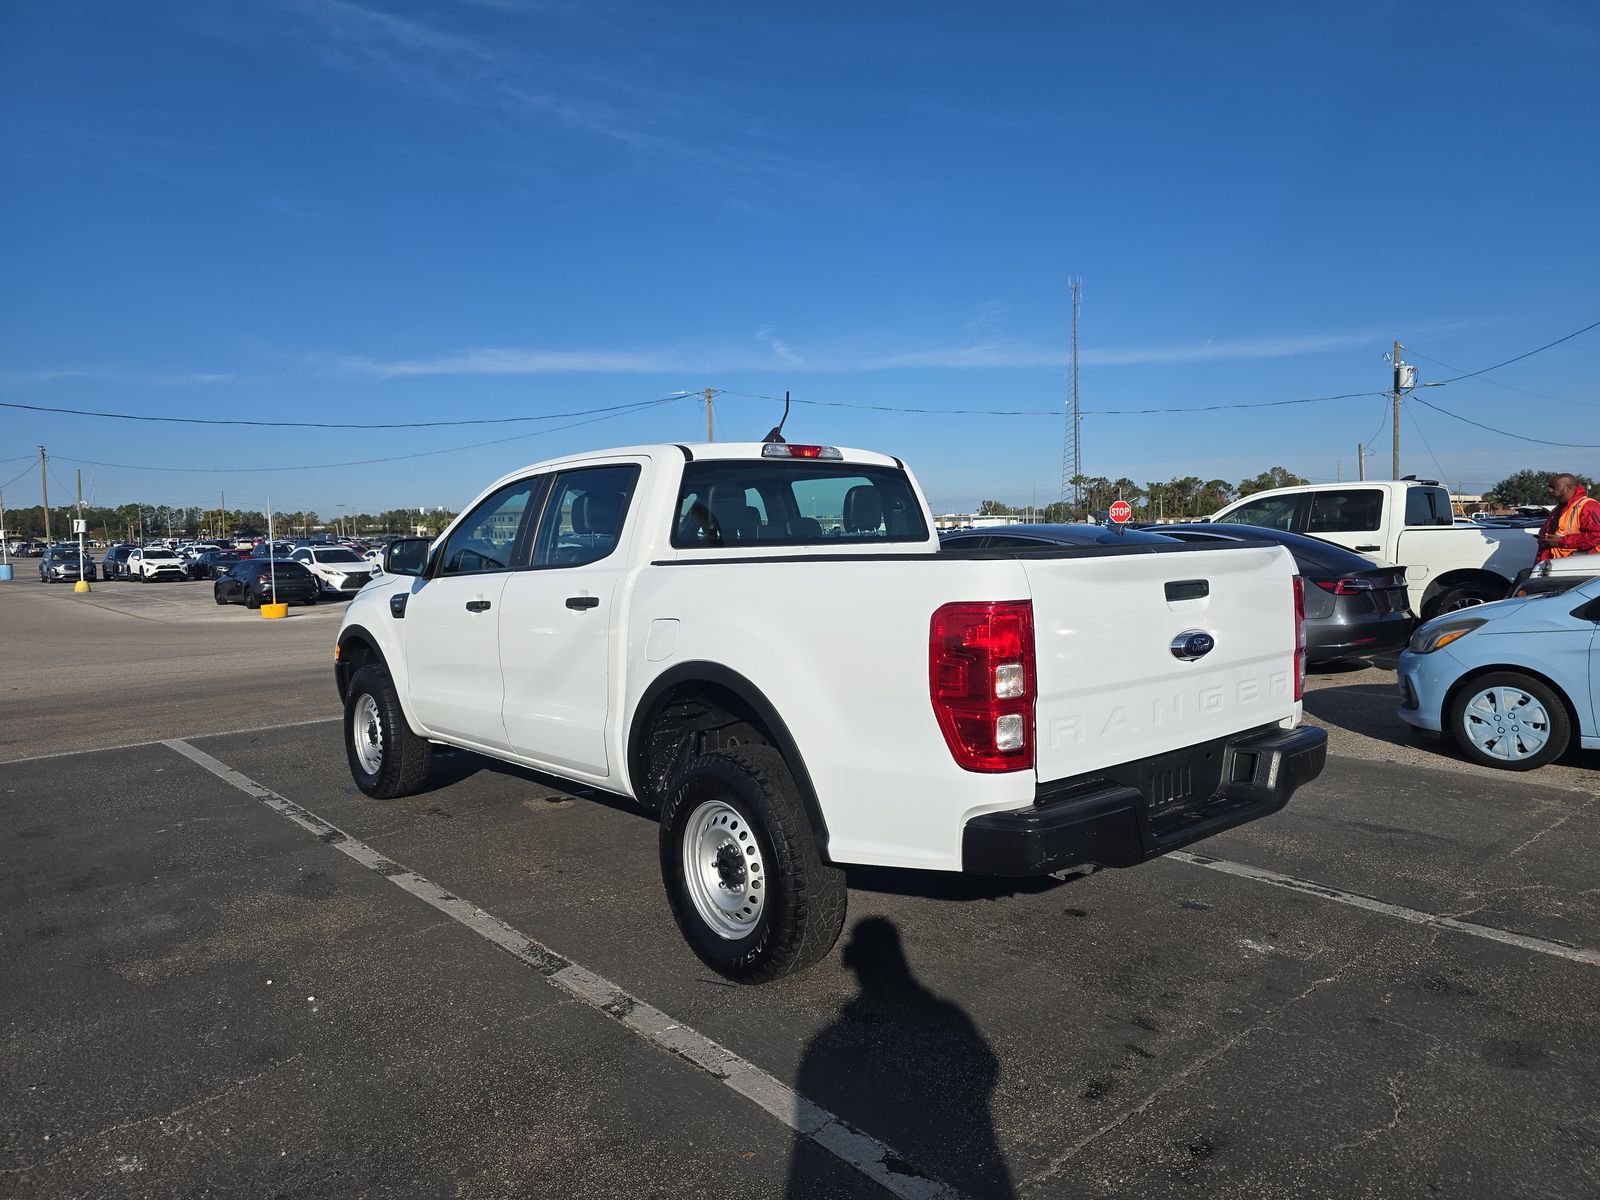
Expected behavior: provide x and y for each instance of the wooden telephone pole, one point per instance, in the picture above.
(44, 492)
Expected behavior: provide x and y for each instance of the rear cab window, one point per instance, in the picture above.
(795, 502)
(1427, 506)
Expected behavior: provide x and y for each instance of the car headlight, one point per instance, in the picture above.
(1437, 634)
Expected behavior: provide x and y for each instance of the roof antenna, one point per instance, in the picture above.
(776, 436)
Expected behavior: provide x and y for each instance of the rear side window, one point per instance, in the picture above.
(1359, 510)
(787, 502)
(1428, 506)
(583, 518)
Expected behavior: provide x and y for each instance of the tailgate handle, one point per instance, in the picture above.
(1188, 589)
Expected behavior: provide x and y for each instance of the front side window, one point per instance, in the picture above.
(787, 502)
(486, 538)
(584, 516)
(1358, 510)
(1270, 512)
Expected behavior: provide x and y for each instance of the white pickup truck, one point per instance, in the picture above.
(1402, 522)
(765, 644)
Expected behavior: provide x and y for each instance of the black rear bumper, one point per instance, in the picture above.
(1137, 811)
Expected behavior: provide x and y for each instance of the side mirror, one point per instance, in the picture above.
(408, 556)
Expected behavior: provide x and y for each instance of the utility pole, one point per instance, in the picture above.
(1338, 470)
(709, 436)
(44, 492)
(1361, 462)
(1397, 349)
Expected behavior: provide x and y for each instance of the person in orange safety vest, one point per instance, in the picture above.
(1574, 526)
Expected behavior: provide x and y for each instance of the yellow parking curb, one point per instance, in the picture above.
(272, 611)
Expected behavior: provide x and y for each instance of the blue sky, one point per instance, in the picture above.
(363, 211)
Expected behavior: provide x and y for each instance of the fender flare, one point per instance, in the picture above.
(341, 669)
(747, 692)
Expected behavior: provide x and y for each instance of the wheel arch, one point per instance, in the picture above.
(730, 693)
(1446, 710)
(357, 647)
(1471, 576)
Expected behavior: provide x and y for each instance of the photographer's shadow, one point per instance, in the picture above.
(913, 1060)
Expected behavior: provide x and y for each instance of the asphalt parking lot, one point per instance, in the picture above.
(231, 973)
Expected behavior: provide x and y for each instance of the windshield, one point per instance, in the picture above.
(336, 556)
(159, 554)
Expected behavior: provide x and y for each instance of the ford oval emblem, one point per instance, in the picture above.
(1192, 644)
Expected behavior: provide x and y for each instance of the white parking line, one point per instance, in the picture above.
(865, 1153)
(1415, 916)
(6, 762)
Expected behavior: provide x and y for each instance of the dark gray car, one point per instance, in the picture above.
(1353, 608)
(60, 565)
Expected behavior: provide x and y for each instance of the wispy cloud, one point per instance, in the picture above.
(115, 375)
(776, 353)
(538, 86)
(513, 362)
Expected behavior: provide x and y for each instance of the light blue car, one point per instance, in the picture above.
(1512, 682)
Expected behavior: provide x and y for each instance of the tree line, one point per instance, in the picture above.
(141, 521)
(1180, 496)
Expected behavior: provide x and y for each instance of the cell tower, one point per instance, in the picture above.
(1072, 445)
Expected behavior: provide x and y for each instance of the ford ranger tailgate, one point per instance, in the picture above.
(1140, 654)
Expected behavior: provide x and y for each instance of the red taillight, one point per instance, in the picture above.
(981, 679)
(1347, 587)
(1299, 638)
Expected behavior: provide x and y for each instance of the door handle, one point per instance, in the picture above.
(1369, 547)
(478, 606)
(582, 602)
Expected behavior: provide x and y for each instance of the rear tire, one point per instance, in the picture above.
(387, 759)
(744, 878)
(1511, 721)
(251, 600)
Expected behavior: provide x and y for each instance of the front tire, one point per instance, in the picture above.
(1511, 721)
(387, 759)
(251, 600)
(744, 878)
(1464, 595)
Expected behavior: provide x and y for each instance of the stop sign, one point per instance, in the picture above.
(1121, 511)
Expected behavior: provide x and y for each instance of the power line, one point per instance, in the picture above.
(230, 470)
(25, 470)
(122, 416)
(1506, 432)
(1502, 384)
(1382, 425)
(1520, 357)
(1417, 425)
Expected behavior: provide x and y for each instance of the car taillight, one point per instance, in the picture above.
(264, 577)
(981, 680)
(1346, 587)
(1299, 638)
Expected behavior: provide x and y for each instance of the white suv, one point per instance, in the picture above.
(153, 563)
